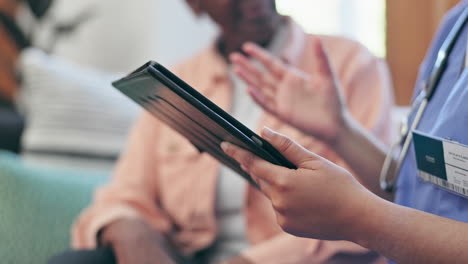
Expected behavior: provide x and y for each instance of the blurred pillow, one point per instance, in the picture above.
(74, 117)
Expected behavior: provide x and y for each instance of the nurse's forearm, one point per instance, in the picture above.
(410, 236)
(363, 152)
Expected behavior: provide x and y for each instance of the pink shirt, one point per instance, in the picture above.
(163, 179)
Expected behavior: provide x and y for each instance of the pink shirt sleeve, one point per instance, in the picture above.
(370, 95)
(368, 91)
(133, 191)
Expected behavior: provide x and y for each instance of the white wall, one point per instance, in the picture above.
(362, 20)
(179, 32)
(124, 34)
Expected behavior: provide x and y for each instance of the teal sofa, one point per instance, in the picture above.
(38, 206)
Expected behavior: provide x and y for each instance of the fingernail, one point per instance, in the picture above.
(267, 133)
(225, 146)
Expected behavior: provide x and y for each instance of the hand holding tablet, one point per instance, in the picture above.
(194, 116)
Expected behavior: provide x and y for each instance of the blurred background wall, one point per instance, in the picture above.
(410, 28)
(122, 34)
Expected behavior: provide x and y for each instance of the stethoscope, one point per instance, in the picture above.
(419, 106)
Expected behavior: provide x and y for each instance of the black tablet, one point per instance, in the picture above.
(194, 116)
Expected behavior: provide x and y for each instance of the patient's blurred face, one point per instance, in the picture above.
(254, 20)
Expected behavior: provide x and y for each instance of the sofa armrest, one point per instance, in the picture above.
(37, 208)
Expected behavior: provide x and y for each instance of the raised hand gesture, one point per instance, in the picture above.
(312, 103)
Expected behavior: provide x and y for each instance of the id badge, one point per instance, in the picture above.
(442, 162)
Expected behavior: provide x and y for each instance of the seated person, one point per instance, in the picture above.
(167, 202)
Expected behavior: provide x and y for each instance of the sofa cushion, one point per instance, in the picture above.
(37, 208)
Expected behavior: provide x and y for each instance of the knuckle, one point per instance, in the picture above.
(266, 79)
(230, 151)
(283, 222)
(278, 65)
(254, 168)
(269, 61)
(234, 153)
(288, 228)
(282, 184)
(315, 81)
(297, 77)
(280, 219)
(280, 206)
(286, 224)
(292, 79)
(248, 161)
(285, 143)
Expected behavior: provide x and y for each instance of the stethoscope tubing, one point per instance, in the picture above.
(426, 94)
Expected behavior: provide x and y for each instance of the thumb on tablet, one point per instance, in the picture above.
(288, 147)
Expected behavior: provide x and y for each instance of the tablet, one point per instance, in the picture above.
(194, 116)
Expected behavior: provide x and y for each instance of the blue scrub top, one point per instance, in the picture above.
(446, 116)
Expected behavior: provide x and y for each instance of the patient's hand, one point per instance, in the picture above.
(313, 104)
(133, 241)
